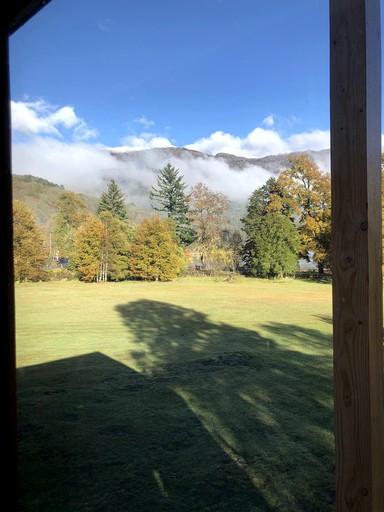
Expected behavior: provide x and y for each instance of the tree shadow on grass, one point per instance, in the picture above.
(325, 318)
(268, 408)
(220, 419)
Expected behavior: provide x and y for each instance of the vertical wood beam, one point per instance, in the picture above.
(355, 89)
(7, 343)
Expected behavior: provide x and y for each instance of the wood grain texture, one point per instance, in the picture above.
(356, 241)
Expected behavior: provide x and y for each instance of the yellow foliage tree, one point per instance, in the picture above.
(28, 251)
(307, 190)
(154, 253)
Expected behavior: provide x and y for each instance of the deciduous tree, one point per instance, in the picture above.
(308, 191)
(232, 242)
(29, 253)
(102, 247)
(71, 213)
(154, 253)
(207, 212)
(87, 247)
(115, 245)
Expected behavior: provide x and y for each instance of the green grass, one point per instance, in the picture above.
(195, 395)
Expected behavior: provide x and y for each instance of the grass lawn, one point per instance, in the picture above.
(194, 395)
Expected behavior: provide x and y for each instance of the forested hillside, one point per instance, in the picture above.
(41, 196)
(38, 194)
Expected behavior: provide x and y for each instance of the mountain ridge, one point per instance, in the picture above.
(137, 171)
(235, 176)
(273, 163)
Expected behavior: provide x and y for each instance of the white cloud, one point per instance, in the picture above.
(83, 167)
(83, 133)
(145, 141)
(315, 140)
(27, 120)
(78, 166)
(40, 118)
(144, 121)
(65, 116)
(218, 176)
(216, 173)
(269, 121)
(218, 142)
(261, 142)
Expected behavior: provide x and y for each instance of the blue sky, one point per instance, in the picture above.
(178, 69)
(246, 77)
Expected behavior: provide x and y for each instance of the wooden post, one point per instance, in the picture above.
(13, 17)
(7, 344)
(355, 88)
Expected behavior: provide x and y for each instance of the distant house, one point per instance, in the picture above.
(305, 265)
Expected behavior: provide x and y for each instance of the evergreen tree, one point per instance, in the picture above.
(301, 193)
(113, 201)
(154, 253)
(29, 254)
(268, 198)
(169, 197)
(272, 246)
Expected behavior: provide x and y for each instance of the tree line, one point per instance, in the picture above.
(287, 218)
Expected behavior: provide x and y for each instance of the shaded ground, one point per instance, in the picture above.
(220, 419)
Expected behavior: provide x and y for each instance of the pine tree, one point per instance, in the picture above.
(113, 201)
(169, 197)
(29, 254)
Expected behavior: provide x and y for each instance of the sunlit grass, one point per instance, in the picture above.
(71, 318)
(195, 395)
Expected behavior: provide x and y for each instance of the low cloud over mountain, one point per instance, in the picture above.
(54, 143)
(84, 168)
